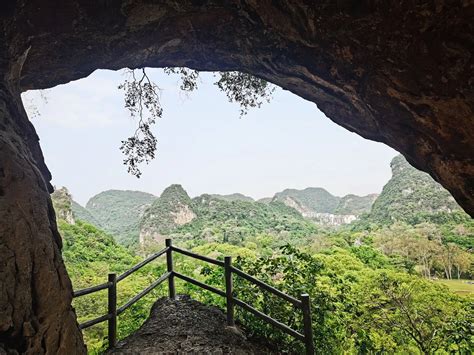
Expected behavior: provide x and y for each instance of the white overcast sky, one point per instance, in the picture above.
(202, 142)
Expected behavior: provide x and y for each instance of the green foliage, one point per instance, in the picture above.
(373, 284)
(315, 199)
(233, 197)
(89, 255)
(360, 301)
(61, 199)
(398, 311)
(244, 89)
(356, 205)
(119, 212)
(357, 307)
(142, 100)
(238, 222)
(83, 214)
(412, 196)
(371, 257)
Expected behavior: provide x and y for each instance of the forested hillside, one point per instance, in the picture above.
(137, 218)
(355, 205)
(214, 219)
(233, 197)
(238, 222)
(172, 209)
(324, 208)
(411, 196)
(119, 212)
(84, 214)
(313, 199)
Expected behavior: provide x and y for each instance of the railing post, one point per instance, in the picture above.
(308, 329)
(112, 311)
(169, 263)
(229, 290)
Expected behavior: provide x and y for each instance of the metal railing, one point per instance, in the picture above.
(231, 301)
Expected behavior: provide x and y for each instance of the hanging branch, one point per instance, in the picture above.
(142, 101)
(245, 89)
(189, 77)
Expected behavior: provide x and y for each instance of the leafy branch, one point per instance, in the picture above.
(143, 102)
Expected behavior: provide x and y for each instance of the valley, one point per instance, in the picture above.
(365, 260)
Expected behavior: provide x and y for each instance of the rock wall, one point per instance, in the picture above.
(36, 316)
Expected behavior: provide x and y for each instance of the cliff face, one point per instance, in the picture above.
(397, 72)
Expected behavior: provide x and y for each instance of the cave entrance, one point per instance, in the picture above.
(396, 74)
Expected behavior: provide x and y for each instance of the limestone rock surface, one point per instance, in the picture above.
(185, 326)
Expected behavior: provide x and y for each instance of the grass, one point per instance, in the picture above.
(461, 287)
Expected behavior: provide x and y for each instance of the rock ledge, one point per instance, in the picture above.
(185, 326)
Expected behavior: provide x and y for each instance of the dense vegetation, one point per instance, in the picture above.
(377, 285)
(119, 212)
(356, 205)
(410, 196)
(361, 303)
(362, 298)
(317, 200)
(233, 197)
(242, 222)
(90, 254)
(83, 214)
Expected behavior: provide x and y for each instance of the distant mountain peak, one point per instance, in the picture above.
(173, 208)
(62, 203)
(233, 197)
(410, 193)
(119, 212)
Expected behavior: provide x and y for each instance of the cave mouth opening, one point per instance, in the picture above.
(94, 108)
(398, 75)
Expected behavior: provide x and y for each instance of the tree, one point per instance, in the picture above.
(462, 261)
(447, 255)
(415, 310)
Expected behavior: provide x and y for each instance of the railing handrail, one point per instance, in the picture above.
(141, 264)
(113, 311)
(197, 256)
(266, 287)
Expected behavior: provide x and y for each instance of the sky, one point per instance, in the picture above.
(203, 144)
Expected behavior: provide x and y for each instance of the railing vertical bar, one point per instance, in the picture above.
(229, 291)
(169, 264)
(308, 329)
(112, 310)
